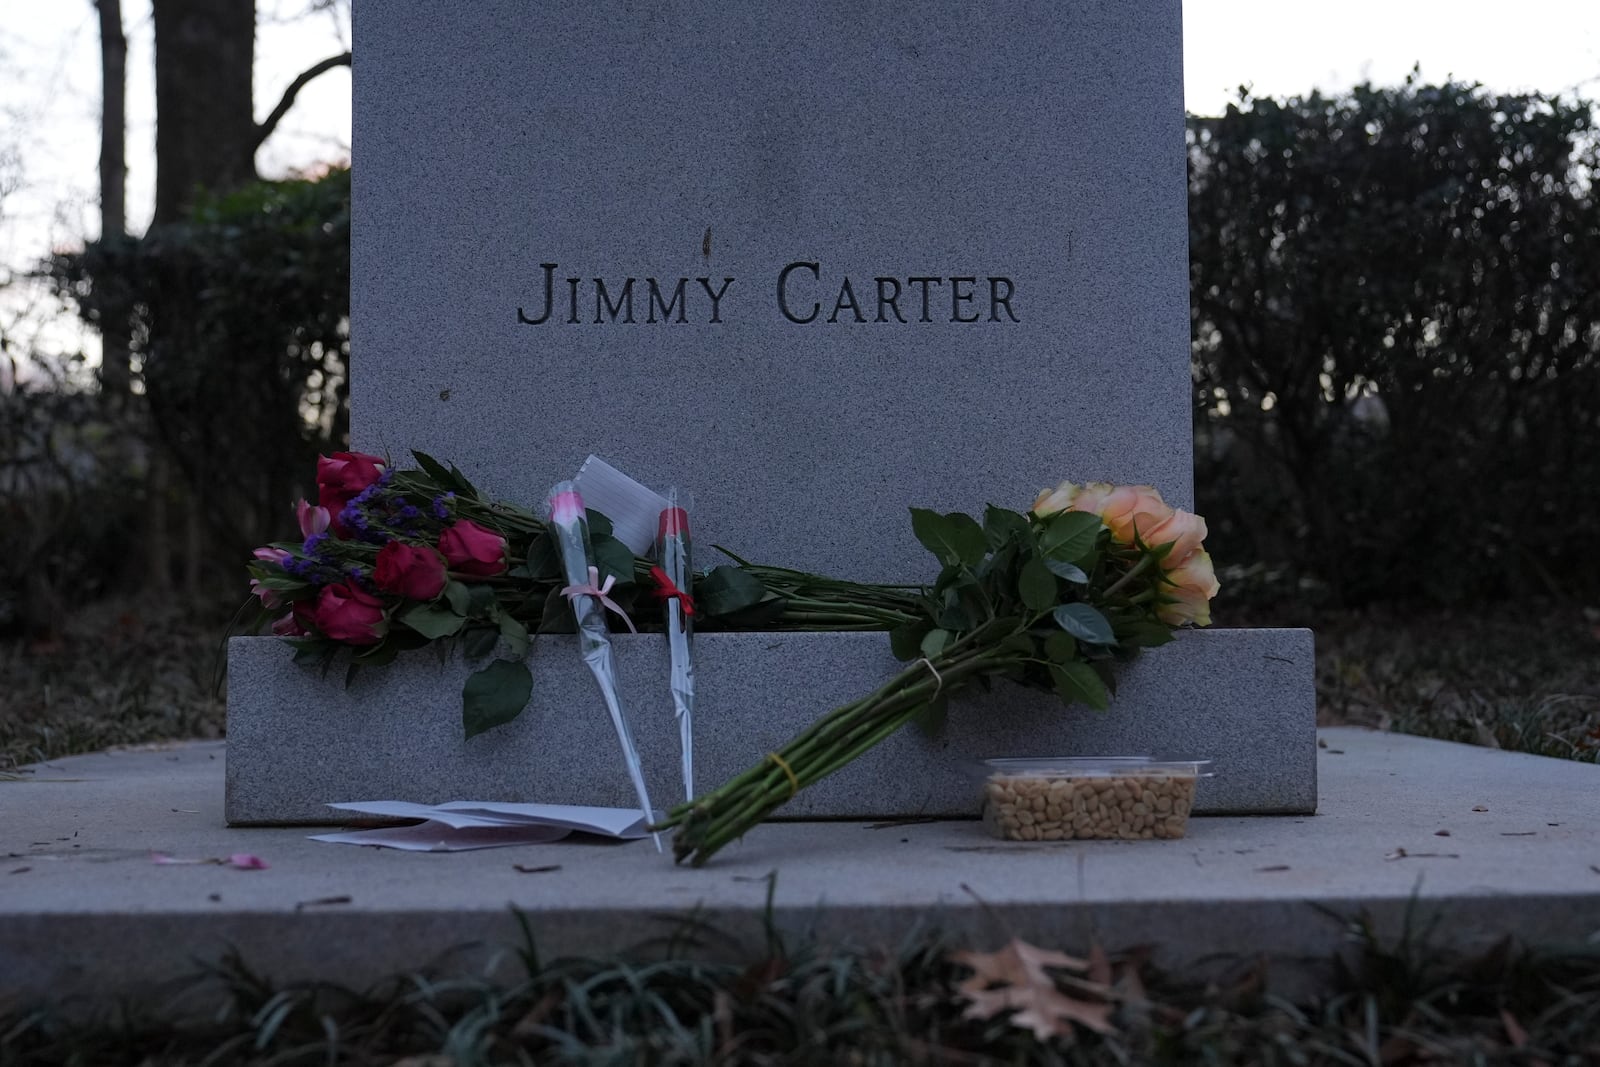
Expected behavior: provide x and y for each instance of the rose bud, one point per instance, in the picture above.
(313, 518)
(349, 614)
(269, 599)
(410, 571)
(471, 549)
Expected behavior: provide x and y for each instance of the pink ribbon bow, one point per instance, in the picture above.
(598, 591)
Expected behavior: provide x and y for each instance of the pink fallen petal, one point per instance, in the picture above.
(246, 861)
(161, 859)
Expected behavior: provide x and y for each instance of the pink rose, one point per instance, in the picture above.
(313, 518)
(341, 477)
(1127, 509)
(269, 599)
(1194, 584)
(409, 571)
(349, 614)
(1184, 531)
(471, 549)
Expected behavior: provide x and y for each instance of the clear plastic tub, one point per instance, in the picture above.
(1082, 797)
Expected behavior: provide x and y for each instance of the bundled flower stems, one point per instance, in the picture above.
(589, 599)
(674, 576)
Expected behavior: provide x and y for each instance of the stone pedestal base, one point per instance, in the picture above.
(298, 741)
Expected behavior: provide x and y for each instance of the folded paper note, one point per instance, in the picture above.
(462, 825)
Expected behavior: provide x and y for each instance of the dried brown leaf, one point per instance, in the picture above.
(1014, 978)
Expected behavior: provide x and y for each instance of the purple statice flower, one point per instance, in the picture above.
(409, 513)
(441, 505)
(313, 544)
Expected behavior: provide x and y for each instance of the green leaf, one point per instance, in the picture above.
(906, 641)
(1037, 585)
(954, 614)
(1145, 634)
(495, 695)
(599, 525)
(953, 538)
(479, 641)
(1000, 525)
(1069, 535)
(612, 557)
(378, 655)
(1061, 647)
(727, 590)
(459, 596)
(435, 470)
(557, 615)
(1071, 572)
(1084, 623)
(432, 621)
(516, 635)
(934, 642)
(544, 562)
(1078, 683)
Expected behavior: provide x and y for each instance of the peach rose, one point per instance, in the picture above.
(1054, 501)
(1127, 508)
(1184, 531)
(1194, 584)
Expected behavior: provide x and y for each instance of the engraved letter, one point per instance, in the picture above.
(716, 297)
(783, 300)
(957, 298)
(602, 299)
(549, 275)
(892, 299)
(666, 307)
(572, 299)
(847, 299)
(996, 301)
(924, 283)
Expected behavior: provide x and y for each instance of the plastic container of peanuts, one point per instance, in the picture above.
(1089, 797)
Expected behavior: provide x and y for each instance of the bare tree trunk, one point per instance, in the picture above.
(114, 373)
(205, 122)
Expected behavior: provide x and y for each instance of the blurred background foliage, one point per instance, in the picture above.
(1395, 300)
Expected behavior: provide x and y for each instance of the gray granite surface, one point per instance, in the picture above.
(1026, 157)
(298, 741)
(84, 911)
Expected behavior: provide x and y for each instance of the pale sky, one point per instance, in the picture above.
(50, 92)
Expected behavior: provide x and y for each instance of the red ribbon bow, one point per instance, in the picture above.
(666, 589)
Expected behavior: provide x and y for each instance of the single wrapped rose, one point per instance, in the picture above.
(411, 571)
(340, 479)
(1194, 584)
(1184, 531)
(470, 549)
(350, 614)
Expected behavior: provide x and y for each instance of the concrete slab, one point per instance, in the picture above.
(297, 741)
(1487, 842)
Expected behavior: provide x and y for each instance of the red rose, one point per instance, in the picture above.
(341, 477)
(346, 613)
(408, 571)
(473, 550)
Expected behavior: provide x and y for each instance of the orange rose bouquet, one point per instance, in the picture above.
(1052, 599)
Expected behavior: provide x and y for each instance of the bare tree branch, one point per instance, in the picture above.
(264, 129)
